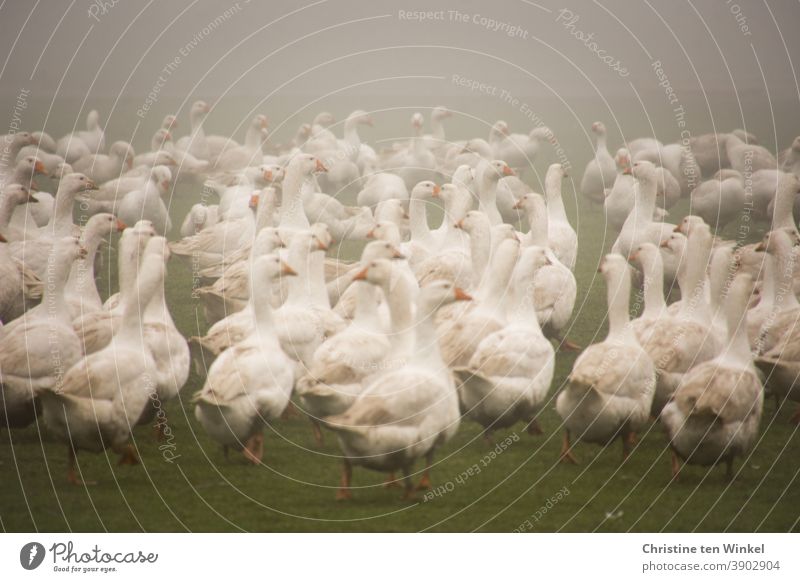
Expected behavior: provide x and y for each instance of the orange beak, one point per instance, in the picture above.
(254, 201)
(459, 224)
(664, 244)
(322, 246)
(761, 247)
(436, 190)
(83, 252)
(165, 184)
(677, 229)
(3, 239)
(268, 175)
(167, 136)
(396, 254)
(462, 295)
(90, 185)
(39, 168)
(320, 167)
(627, 172)
(633, 256)
(121, 225)
(371, 233)
(287, 270)
(361, 275)
(518, 204)
(508, 171)
(264, 123)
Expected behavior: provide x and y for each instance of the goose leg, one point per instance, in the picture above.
(565, 345)
(72, 476)
(676, 465)
(628, 442)
(729, 468)
(128, 456)
(250, 450)
(343, 494)
(566, 450)
(409, 493)
(795, 419)
(425, 483)
(290, 411)
(391, 481)
(317, 430)
(534, 428)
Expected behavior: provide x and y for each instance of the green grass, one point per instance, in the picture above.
(294, 490)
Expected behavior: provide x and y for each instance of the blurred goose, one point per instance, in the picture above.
(601, 171)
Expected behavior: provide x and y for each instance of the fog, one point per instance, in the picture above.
(726, 63)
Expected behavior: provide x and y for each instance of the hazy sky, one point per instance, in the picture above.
(246, 48)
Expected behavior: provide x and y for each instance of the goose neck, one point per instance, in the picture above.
(293, 214)
(418, 219)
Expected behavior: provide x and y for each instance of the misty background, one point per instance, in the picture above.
(727, 64)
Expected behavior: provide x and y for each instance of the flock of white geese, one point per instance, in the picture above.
(432, 326)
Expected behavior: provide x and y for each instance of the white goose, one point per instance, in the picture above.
(104, 395)
(461, 336)
(405, 414)
(677, 342)
(104, 167)
(716, 410)
(40, 345)
(250, 384)
(554, 286)
(75, 145)
(489, 173)
(610, 389)
(601, 171)
(195, 143)
(510, 373)
(562, 238)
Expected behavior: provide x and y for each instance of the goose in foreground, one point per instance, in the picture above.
(104, 395)
(601, 171)
(510, 373)
(38, 346)
(610, 389)
(404, 414)
(716, 410)
(250, 384)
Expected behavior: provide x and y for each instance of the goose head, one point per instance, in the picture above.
(267, 241)
(161, 176)
(322, 233)
(384, 231)
(796, 145)
(380, 249)
(391, 210)
(688, 224)
(644, 254)
(102, 225)
(464, 176)
(531, 203)
(778, 241)
(160, 137)
(61, 170)
(17, 194)
(644, 171)
(169, 123)
(44, 141)
(540, 134)
(18, 140)
(623, 161)
(438, 294)
(93, 120)
(74, 183)
(360, 117)
(272, 173)
(425, 190)
(599, 128)
(122, 150)
(259, 122)
(306, 165)
(271, 268)
(163, 158)
(324, 119)
(199, 111)
(497, 169)
(30, 166)
(475, 223)
(498, 131)
(440, 113)
(417, 122)
(531, 260)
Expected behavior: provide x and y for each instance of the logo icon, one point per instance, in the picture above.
(31, 555)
